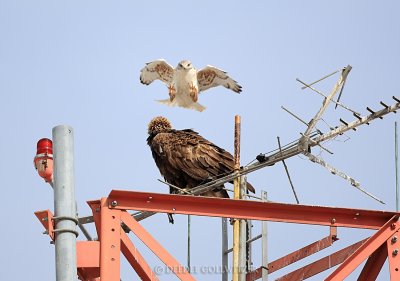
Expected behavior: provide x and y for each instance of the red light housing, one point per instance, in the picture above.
(44, 146)
(43, 160)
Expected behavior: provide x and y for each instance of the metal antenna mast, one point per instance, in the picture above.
(396, 152)
(64, 204)
(236, 274)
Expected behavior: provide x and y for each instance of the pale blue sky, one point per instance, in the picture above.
(78, 63)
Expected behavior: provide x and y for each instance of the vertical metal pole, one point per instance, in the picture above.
(225, 271)
(64, 203)
(248, 236)
(249, 254)
(236, 185)
(264, 245)
(396, 163)
(242, 238)
(188, 244)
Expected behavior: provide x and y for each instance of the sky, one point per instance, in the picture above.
(78, 63)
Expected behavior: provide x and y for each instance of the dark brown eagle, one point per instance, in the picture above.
(186, 159)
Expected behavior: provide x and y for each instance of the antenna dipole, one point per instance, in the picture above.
(304, 145)
(335, 171)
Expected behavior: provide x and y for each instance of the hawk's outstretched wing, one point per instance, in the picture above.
(211, 76)
(158, 69)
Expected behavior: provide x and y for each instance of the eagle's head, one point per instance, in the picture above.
(158, 124)
(185, 64)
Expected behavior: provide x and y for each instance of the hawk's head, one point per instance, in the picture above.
(185, 64)
(158, 124)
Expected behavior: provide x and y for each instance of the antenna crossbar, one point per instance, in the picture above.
(360, 121)
(328, 99)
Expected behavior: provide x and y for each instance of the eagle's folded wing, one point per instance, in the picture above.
(158, 69)
(211, 76)
(185, 156)
(188, 152)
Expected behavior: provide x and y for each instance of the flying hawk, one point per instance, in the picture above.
(186, 159)
(185, 83)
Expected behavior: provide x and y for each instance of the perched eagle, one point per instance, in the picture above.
(185, 83)
(186, 159)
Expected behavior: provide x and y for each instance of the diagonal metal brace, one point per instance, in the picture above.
(335, 171)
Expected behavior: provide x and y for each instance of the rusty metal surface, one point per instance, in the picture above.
(374, 265)
(300, 254)
(236, 195)
(85, 274)
(322, 264)
(296, 255)
(366, 250)
(236, 154)
(245, 209)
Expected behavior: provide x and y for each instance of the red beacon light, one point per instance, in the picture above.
(43, 160)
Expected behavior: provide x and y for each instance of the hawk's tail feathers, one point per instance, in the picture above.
(195, 106)
(167, 102)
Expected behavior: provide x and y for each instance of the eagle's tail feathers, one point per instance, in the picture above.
(170, 218)
(250, 188)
